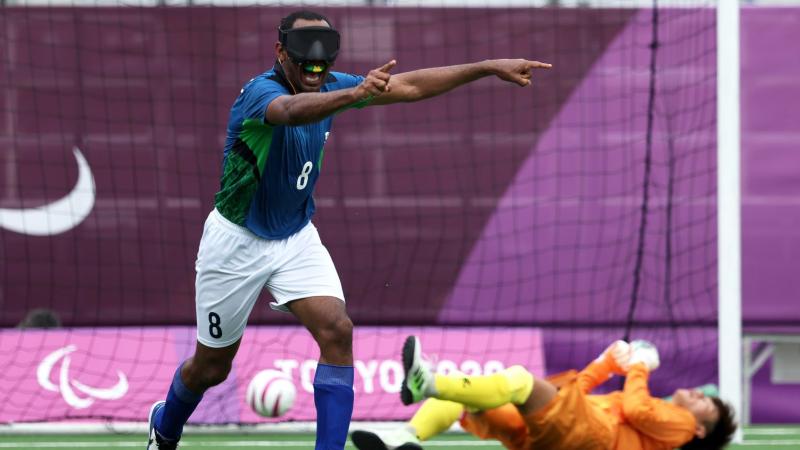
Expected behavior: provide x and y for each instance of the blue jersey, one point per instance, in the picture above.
(269, 171)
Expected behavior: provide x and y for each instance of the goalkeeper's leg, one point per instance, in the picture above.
(513, 385)
(435, 417)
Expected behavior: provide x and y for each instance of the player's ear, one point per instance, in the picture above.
(279, 53)
(700, 430)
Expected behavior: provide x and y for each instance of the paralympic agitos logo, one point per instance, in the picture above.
(68, 386)
(59, 216)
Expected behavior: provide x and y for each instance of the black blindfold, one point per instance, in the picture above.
(308, 44)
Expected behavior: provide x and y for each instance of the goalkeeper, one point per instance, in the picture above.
(524, 412)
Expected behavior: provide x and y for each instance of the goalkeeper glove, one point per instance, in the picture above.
(643, 352)
(617, 354)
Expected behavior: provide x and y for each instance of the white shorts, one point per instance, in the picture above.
(234, 265)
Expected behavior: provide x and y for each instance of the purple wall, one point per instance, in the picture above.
(770, 166)
(401, 201)
(771, 189)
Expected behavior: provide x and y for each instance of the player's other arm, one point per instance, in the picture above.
(309, 107)
(425, 83)
(651, 416)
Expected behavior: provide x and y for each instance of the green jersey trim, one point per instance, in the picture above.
(357, 105)
(244, 167)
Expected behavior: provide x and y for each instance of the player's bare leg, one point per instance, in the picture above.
(208, 367)
(542, 394)
(327, 320)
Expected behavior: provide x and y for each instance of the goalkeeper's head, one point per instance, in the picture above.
(306, 49)
(715, 419)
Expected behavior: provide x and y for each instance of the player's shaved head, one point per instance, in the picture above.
(288, 22)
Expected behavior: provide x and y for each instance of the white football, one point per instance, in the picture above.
(271, 393)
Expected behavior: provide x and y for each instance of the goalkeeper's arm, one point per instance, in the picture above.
(651, 416)
(609, 362)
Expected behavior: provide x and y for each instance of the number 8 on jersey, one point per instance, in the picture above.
(302, 180)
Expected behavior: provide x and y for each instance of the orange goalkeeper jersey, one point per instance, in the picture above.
(623, 420)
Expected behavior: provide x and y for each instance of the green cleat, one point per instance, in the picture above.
(418, 380)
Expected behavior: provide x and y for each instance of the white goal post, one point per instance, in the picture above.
(729, 236)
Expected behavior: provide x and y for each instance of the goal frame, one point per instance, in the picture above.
(729, 233)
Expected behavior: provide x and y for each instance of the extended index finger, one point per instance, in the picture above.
(538, 65)
(388, 66)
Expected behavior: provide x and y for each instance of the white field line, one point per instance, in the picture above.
(138, 443)
(767, 443)
(772, 431)
(308, 444)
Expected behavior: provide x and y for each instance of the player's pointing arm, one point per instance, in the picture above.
(425, 83)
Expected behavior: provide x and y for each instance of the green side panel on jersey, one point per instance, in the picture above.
(239, 185)
(258, 136)
(319, 161)
(243, 172)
